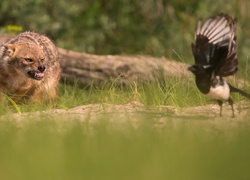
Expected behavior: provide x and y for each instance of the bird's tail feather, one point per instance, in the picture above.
(243, 93)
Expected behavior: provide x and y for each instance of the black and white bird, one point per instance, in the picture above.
(215, 57)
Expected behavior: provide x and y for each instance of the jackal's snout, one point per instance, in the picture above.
(41, 68)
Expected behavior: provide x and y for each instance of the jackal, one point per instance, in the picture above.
(29, 68)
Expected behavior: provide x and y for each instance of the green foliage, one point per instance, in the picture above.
(123, 26)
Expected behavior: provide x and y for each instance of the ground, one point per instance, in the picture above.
(135, 111)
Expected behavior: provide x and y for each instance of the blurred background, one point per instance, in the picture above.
(143, 27)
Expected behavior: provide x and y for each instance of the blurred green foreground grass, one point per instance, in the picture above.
(50, 148)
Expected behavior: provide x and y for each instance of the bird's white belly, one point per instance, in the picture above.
(220, 92)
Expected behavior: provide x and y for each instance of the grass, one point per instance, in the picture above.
(162, 92)
(168, 91)
(182, 147)
(48, 149)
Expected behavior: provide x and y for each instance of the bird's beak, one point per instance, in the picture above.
(191, 68)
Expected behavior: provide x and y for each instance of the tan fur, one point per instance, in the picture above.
(29, 68)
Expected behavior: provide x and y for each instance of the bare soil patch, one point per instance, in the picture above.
(135, 112)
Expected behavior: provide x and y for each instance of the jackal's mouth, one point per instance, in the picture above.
(37, 75)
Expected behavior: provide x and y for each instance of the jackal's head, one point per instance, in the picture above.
(27, 59)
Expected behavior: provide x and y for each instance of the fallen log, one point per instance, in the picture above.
(95, 69)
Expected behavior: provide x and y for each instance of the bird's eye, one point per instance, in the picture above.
(28, 59)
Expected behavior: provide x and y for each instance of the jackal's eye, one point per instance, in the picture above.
(28, 59)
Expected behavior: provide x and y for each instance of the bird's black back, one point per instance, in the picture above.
(215, 45)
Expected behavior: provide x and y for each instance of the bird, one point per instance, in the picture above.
(215, 55)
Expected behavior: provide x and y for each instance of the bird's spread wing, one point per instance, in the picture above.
(215, 44)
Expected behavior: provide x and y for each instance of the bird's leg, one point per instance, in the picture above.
(220, 104)
(231, 103)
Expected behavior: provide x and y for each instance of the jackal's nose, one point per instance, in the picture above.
(41, 68)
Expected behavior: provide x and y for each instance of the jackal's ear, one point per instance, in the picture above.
(11, 48)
